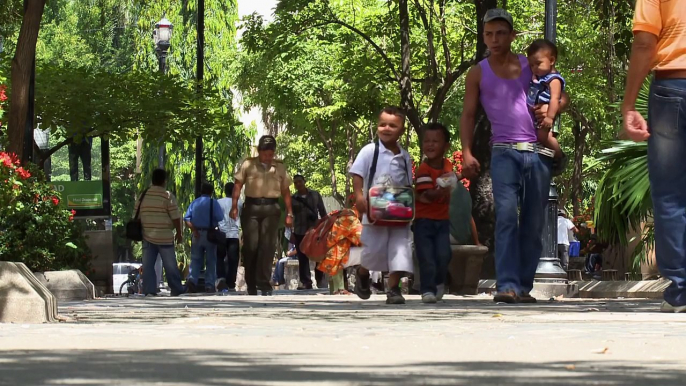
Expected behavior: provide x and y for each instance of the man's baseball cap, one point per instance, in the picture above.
(267, 142)
(498, 14)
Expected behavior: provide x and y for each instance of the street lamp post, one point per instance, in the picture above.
(162, 37)
(549, 265)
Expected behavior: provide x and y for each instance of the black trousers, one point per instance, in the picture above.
(228, 257)
(260, 234)
(304, 266)
(81, 151)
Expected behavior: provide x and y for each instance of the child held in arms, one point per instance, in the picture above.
(546, 87)
(385, 248)
(434, 181)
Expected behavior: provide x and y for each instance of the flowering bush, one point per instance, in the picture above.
(457, 164)
(34, 228)
(3, 102)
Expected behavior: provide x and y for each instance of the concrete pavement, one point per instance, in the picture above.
(317, 339)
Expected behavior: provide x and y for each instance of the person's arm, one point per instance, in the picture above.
(175, 215)
(468, 121)
(358, 187)
(541, 111)
(188, 217)
(475, 232)
(555, 87)
(237, 187)
(287, 200)
(642, 56)
(320, 206)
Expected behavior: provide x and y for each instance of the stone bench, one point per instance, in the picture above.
(465, 268)
(291, 274)
(67, 285)
(23, 298)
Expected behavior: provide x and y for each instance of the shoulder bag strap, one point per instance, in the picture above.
(372, 170)
(140, 202)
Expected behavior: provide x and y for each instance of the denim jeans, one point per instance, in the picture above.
(667, 170)
(521, 182)
(168, 256)
(280, 270)
(203, 251)
(432, 244)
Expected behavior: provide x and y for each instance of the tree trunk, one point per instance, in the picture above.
(579, 132)
(21, 74)
(328, 142)
(351, 135)
(406, 97)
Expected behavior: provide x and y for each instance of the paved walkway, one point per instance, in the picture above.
(339, 340)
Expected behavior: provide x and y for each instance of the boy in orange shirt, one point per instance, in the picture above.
(432, 224)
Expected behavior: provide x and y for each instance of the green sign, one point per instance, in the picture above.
(80, 194)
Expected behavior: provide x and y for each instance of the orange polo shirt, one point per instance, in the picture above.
(665, 19)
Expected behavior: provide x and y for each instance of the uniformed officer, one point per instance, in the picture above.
(265, 180)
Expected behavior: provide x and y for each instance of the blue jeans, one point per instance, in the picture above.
(280, 270)
(168, 255)
(203, 251)
(432, 243)
(667, 170)
(521, 182)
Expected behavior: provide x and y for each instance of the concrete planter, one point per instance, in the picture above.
(465, 269)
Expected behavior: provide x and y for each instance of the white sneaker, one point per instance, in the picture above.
(429, 298)
(666, 307)
(440, 291)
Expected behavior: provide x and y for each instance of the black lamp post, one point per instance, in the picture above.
(162, 37)
(199, 75)
(549, 265)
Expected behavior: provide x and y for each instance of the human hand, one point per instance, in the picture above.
(361, 205)
(541, 112)
(546, 123)
(289, 221)
(470, 166)
(635, 126)
(234, 213)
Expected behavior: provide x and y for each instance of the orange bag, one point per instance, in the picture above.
(315, 243)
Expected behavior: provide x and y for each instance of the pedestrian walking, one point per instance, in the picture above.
(228, 251)
(385, 248)
(660, 45)
(308, 208)
(520, 167)
(564, 228)
(160, 216)
(265, 180)
(202, 217)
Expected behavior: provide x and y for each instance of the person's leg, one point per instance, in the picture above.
(158, 272)
(251, 240)
(210, 263)
(426, 253)
(443, 253)
(666, 148)
(506, 174)
(318, 276)
(233, 252)
(399, 260)
(86, 156)
(533, 217)
(222, 249)
(303, 264)
(73, 163)
(271, 215)
(564, 256)
(171, 269)
(279, 271)
(150, 252)
(337, 282)
(196, 261)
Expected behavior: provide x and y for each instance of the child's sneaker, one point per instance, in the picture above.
(440, 291)
(429, 298)
(394, 296)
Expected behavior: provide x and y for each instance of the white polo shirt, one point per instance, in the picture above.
(397, 166)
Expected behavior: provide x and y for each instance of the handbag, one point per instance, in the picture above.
(134, 227)
(388, 204)
(214, 235)
(315, 243)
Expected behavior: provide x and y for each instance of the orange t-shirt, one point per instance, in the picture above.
(426, 177)
(665, 19)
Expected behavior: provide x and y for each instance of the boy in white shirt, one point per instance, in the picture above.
(385, 249)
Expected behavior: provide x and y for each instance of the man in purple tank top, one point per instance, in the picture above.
(520, 168)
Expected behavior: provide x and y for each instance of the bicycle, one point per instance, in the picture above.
(134, 282)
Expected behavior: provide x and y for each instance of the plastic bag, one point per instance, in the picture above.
(448, 180)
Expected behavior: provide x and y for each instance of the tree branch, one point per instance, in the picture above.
(433, 65)
(364, 36)
(444, 39)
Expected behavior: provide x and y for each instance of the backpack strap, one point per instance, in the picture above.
(375, 161)
(140, 202)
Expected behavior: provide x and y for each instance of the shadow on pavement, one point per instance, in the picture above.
(207, 367)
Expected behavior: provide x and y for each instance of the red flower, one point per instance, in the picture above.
(23, 173)
(55, 200)
(71, 215)
(3, 95)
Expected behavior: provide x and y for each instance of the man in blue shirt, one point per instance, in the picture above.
(202, 251)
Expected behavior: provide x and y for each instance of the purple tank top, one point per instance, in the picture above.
(504, 101)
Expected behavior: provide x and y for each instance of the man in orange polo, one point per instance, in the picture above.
(660, 45)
